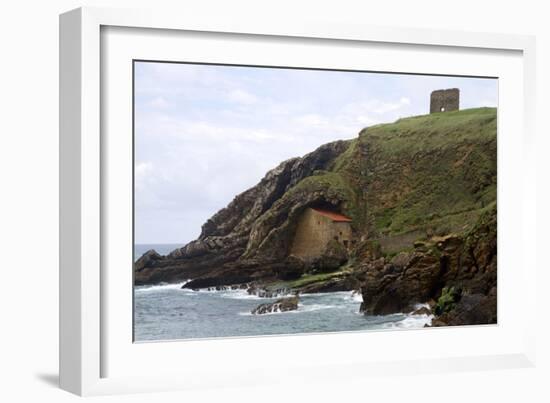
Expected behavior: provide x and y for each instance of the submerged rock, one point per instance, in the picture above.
(281, 305)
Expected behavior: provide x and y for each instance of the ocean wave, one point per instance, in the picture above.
(342, 294)
(315, 307)
(355, 297)
(410, 322)
(418, 306)
(234, 294)
(345, 295)
(240, 294)
(162, 287)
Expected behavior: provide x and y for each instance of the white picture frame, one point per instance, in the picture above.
(88, 338)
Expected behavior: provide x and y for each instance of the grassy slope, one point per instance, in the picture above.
(430, 174)
(433, 173)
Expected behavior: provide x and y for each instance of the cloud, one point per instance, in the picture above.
(142, 174)
(366, 120)
(143, 168)
(242, 97)
(159, 103)
(204, 134)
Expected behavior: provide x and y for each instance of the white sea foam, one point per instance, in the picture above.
(414, 321)
(161, 287)
(355, 297)
(418, 306)
(345, 295)
(239, 294)
(315, 307)
(265, 314)
(342, 294)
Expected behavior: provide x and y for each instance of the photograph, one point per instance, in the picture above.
(273, 200)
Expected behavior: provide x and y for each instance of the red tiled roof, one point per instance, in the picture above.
(337, 217)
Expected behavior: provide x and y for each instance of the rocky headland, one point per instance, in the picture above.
(421, 196)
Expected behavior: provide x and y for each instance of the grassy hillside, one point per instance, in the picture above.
(418, 177)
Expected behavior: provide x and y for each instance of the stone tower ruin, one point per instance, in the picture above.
(445, 100)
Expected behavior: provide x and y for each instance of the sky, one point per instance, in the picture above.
(204, 134)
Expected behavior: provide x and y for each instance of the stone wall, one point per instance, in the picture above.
(314, 231)
(445, 100)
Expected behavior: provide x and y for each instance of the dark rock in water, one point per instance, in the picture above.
(281, 305)
(422, 311)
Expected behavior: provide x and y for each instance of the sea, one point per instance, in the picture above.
(168, 312)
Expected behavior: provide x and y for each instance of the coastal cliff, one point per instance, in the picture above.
(421, 196)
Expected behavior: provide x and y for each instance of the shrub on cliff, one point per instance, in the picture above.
(448, 300)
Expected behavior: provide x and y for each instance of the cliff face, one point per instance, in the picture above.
(465, 262)
(421, 193)
(249, 239)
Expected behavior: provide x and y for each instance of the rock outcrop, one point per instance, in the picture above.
(473, 309)
(465, 262)
(281, 305)
(250, 238)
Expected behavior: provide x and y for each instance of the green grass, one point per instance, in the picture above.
(307, 279)
(434, 131)
(440, 169)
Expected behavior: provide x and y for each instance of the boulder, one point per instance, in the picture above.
(391, 287)
(281, 305)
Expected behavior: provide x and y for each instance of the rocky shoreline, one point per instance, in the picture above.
(424, 220)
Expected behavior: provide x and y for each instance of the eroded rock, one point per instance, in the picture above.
(464, 262)
(281, 305)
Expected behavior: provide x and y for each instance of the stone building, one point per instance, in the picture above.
(316, 228)
(445, 100)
